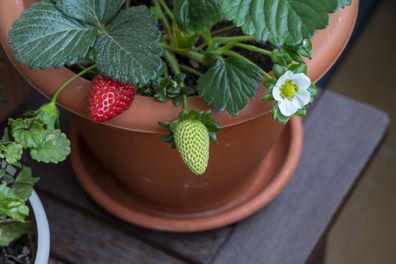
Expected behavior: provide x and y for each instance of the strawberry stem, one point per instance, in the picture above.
(167, 9)
(163, 18)
(71, 80)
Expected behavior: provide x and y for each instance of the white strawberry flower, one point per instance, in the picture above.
(291, 92)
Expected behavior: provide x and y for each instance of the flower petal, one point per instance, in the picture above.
(302, 80)
(276, 94)
(301, 98)
(286, 76)
(287, 108)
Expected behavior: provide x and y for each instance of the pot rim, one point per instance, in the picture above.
(328, 45)
(43, 232)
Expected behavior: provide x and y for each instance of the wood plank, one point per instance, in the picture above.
(81, 239)
(340, 137)
(59, 182)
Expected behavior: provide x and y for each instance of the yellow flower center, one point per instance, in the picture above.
(288, 90)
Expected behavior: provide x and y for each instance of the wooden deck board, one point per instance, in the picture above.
(340, 137)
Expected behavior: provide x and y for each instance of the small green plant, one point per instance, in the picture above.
(36, 133)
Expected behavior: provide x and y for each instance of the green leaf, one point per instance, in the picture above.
(197, 16)
(301, 112)
(268, 97)
(48, 114)
(94, 12)
(278, 70)
(229, 84)
(23, 185)
(54, 149)
(44, 37)
(13, 152)
(333, 5)
(11, 205)
(277, 115)
(280, 21)
(299, 68)
(313, 90)
(30, 133)
(129, 49)
(280, 57)
(11, 231)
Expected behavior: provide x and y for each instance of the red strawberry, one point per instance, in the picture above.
(109, 98)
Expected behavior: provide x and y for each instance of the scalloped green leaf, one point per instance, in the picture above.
(43, 37)
(94, 12)
(23, 184)
(54, 149)
(129, 49)
(9, 232)
(11, 205)
(281, 21)
(229, 84)
(13, 152)
(197, 16)
(30, 133)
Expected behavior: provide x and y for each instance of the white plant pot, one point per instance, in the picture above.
(43, 233)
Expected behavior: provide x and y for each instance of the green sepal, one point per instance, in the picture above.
(278, 70)
(312, 89)
(299, 68)
(294, 55)
(270, 84)
(281, 57)
(277, 115)
(268, 97)
(204, 117)
(302, 112)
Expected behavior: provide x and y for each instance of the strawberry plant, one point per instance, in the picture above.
(168, 50)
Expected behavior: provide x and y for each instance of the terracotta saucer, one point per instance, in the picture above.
(273, 174)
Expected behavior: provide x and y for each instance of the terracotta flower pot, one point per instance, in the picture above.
(13, 88)
(130, 149)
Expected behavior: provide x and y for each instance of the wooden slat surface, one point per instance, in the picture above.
(340, 137)
(82, 239)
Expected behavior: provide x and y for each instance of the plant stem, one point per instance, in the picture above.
(253, 49)
(233, 39)
(163, 17)
(196, 56)
(167, 9)
(71, 80)
(208, 40)
(127, 4)
(190, 70)
(171, 59)
(224, 30)
(239, 56)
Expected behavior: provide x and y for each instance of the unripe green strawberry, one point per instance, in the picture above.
(192, 141)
